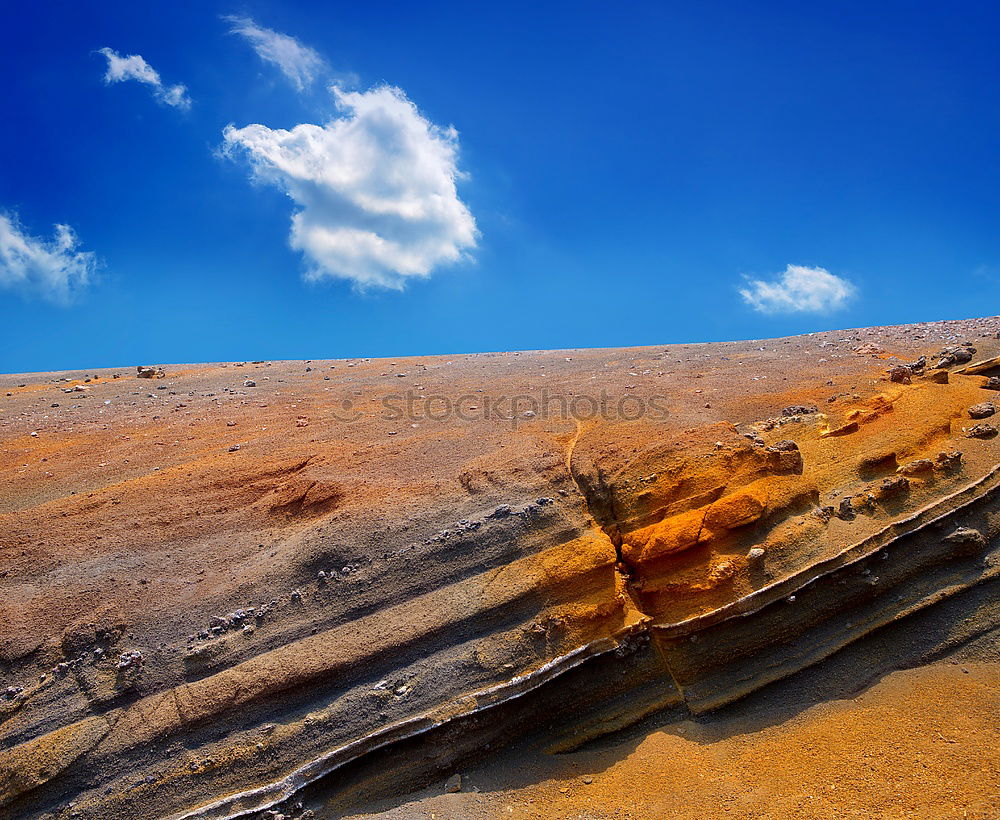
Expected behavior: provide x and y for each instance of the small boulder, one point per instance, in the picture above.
(869, 349)
(846, 509)
(921, 465)
(453, 784)
(983, 410)
(901, 375)
(992, 383)
(949, 462)
(966, 541)
(785, 446)
(981, 430)
(892, 486)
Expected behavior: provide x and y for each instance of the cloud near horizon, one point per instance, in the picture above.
(301, 64)
(135, 67)
(799, 289)
(54, 270)
(375, 188)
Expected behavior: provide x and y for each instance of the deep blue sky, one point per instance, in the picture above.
(626, 164)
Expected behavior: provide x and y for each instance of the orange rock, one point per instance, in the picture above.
(674, 534)
(736, 510)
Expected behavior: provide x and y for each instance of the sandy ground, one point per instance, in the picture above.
(922, 743)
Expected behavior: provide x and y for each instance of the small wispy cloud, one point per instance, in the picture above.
(301, 64)
(135, 67)
(799, 289)
(52, 269)
(375, 188)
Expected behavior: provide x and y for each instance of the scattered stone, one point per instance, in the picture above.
(296, 596)
(992, 383)
(301, 421)
(146, 372)
(784, 446)
(921, 465)
(234, 448)
(982, 430)
(798, 410)
(966, 541)
(824, 513)
(131, 659)
(956, 355)
(983, 410)
(756, 554)
(901, 374)
(786, 456)
(249, 383)
(869, 349)
(846, 510)
(502, 511)
(892, 486)
(950, 462)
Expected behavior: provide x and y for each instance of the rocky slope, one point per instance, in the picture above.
(232, 587)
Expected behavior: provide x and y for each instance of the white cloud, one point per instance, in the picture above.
(799, 290)
(134, 67)
(52, 269)
(375, 188)
(299, 63)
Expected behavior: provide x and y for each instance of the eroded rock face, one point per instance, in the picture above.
(222, 586)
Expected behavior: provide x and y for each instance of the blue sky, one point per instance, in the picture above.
(618, 175)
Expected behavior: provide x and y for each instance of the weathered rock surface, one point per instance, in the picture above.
(210, 606)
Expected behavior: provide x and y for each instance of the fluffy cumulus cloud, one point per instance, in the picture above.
(798, 290)
(375, 188)
(134, 67)
(53, 269)
(299, 63)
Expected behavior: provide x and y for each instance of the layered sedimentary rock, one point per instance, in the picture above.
(223, 583)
